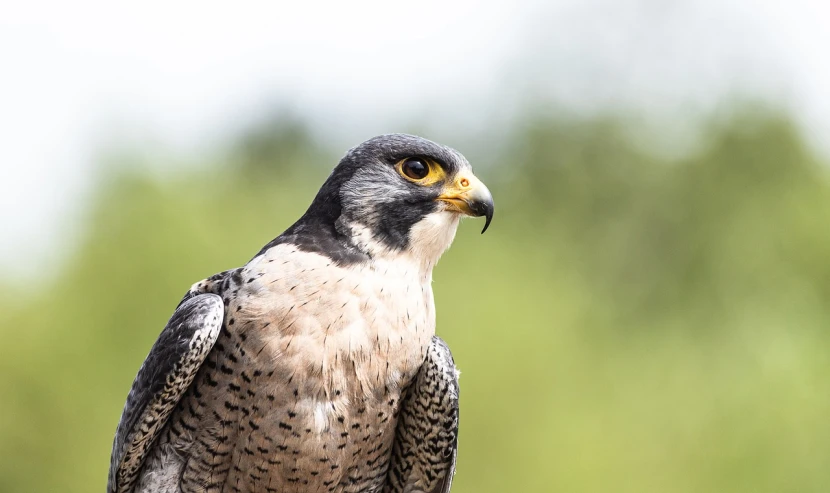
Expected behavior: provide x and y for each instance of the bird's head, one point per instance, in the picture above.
(401, 194)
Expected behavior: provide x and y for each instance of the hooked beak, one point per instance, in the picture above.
(468, 195)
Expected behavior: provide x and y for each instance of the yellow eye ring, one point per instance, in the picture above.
(421, 171)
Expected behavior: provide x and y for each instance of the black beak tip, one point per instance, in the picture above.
(487, 212)
(482, 206)
(487, 222)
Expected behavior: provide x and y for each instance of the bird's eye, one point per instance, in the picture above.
(415, 169)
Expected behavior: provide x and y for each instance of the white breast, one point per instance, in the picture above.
(353, 332)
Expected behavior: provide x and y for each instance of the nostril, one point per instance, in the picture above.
(465, 182)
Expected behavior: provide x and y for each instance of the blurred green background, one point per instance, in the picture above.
(651, 303)
(640, 323)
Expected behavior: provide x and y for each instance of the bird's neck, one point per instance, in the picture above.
(351, 242)
(428, 239)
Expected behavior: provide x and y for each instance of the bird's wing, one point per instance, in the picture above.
(165, 375)
(426, 438)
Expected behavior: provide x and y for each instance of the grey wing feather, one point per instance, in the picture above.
(166, 374)
(426, 438)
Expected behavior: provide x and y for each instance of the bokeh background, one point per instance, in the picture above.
(652, 301)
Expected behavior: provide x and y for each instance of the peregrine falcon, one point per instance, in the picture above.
(315, 366)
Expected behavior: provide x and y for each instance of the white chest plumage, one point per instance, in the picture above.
(309, 376)
(304, 386)
(340, 334)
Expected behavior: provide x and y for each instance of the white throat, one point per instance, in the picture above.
(429, 238)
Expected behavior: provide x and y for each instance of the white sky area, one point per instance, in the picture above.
(76, 76)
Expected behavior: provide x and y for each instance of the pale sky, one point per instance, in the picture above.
(184, 75)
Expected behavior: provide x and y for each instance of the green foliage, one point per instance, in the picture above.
(627, 324)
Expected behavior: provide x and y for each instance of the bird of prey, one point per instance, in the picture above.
(315, 366)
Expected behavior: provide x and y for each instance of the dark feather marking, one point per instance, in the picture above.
(166, 374)
(427, 431)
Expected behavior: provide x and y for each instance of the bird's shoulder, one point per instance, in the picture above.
(276, 261)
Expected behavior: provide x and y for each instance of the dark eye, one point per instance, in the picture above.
(415, 169)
